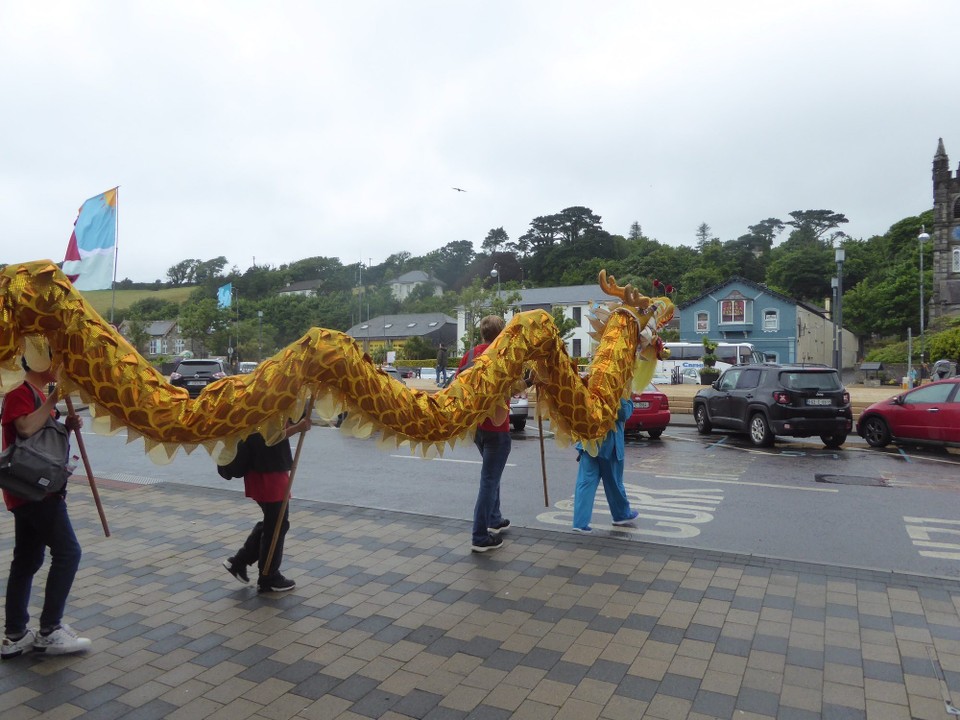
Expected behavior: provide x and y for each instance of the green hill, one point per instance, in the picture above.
(102, 299)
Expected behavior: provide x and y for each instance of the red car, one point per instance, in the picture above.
(651, 413)
(927, 415)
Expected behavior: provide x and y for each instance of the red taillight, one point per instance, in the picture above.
(664, 403)
(846, 398)
(781, 397)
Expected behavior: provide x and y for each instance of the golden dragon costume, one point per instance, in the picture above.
(124, 390)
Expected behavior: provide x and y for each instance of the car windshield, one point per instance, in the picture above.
(195, 367)
(794, 380)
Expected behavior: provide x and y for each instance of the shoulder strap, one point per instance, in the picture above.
(469, 360)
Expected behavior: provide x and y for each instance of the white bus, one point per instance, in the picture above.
(686, 359)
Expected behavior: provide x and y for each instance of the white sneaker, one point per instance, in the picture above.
(61, 641)
(13, 648)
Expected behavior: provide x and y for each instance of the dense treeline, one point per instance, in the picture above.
(794, 256)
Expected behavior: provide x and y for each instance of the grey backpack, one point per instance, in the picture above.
(34, 466)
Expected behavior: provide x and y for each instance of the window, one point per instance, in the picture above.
(178, 346)
(154, 347)
(733, 311)
(729, 379)
(387, 325)
(956, 209)
(576, 319)
(956, 260)
(703, 322)
(771, 320)
(364, 327)
(576, 345)
(413, 324)
(748, 379)
(433, 324)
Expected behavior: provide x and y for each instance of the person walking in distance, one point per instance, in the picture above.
(38, 525)
(493, 441)
(441, 364)
(267, 482)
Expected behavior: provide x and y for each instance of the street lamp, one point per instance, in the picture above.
(922, 237)
(495, 273)
(834, 283)
(259, 335)
(839, 255)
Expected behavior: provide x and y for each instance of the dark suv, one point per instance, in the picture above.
(770, 399)
(194, 375)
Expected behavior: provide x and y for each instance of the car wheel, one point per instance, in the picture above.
(834, 441)
(654, 434)
(760, 434)
(876, 432)
(702, 419)
(519, 425)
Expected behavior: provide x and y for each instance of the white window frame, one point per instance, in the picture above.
(775, 325)
(745, 302)
(702, 320)
(153, 348)
(178, 346)
(956, 260)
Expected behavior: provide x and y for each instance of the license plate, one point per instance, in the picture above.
(197, 382)
(819, 401)
(642, 404)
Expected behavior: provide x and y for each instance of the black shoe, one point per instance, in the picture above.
(492, 542)
(238, 571)
(275, 583)
(500, 527)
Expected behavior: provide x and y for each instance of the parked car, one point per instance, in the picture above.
(247, 367)
(651, 413)
(392, 372)
(194, 375)
(519, 406)
(927, 415)
(770, 399)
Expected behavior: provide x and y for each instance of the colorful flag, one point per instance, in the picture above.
(89, 261)
(224, 295)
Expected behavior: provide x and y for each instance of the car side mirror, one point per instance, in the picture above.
(715, 384)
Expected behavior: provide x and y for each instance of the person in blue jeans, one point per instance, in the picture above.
(606, 466)
(493, 441)
(38, 525)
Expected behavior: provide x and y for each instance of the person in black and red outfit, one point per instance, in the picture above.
(493, 441)
(38, 525)
(267, 482)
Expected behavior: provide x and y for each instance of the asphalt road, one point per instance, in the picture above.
(887, 510)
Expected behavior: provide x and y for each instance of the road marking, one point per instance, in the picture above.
(904, 455)
(675, 514)
(743, 482)
(449, 460)
(920, 530)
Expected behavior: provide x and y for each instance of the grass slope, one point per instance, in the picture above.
(102, 299)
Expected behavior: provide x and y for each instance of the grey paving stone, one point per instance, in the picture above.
(757, 701)
(680, 686)
(417, 704)
(840, 712)
(714, 704)
(316, 686)
(542, 658)
(374, 703)
(733, 646)
(568, 672)
(805, 658)
(843, 655)
(108, 711)
(608, 671)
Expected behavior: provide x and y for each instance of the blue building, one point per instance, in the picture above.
(783, 329)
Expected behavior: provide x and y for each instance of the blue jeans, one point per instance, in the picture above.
(441, 374)
(589, 474)
(37, 526)
(494, 447)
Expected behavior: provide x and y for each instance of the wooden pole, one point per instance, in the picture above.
(88, 470)
(543, 459)
(286, 498)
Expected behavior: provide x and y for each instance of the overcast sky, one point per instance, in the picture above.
(279, 131)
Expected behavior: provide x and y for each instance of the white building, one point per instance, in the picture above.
(406, 283)
(577, 301)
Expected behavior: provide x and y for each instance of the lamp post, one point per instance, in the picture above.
(495, 273)
(922, 238)
(839, 255)
(259, 335)
(833, 317)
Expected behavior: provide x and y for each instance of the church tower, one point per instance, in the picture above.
(946, 237)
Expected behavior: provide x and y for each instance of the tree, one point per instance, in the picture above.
(565, 325)
(153, 309)
(813, 224)
(182, 272)
(704, 235)
(417, 348)
(495, 241)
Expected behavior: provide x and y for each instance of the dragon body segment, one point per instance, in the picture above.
(124, 390)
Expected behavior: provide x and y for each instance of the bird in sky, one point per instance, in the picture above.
(459, 189)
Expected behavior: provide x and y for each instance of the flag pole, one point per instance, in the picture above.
(543, 458)
(86, 466)
(116, 246)
(286, 497)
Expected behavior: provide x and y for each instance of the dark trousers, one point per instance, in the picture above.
(257, 545)
(37, 526)
(494, 447)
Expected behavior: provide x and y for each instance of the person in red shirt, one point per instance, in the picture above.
(38, 525)
(267, 482)
(493, 441)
